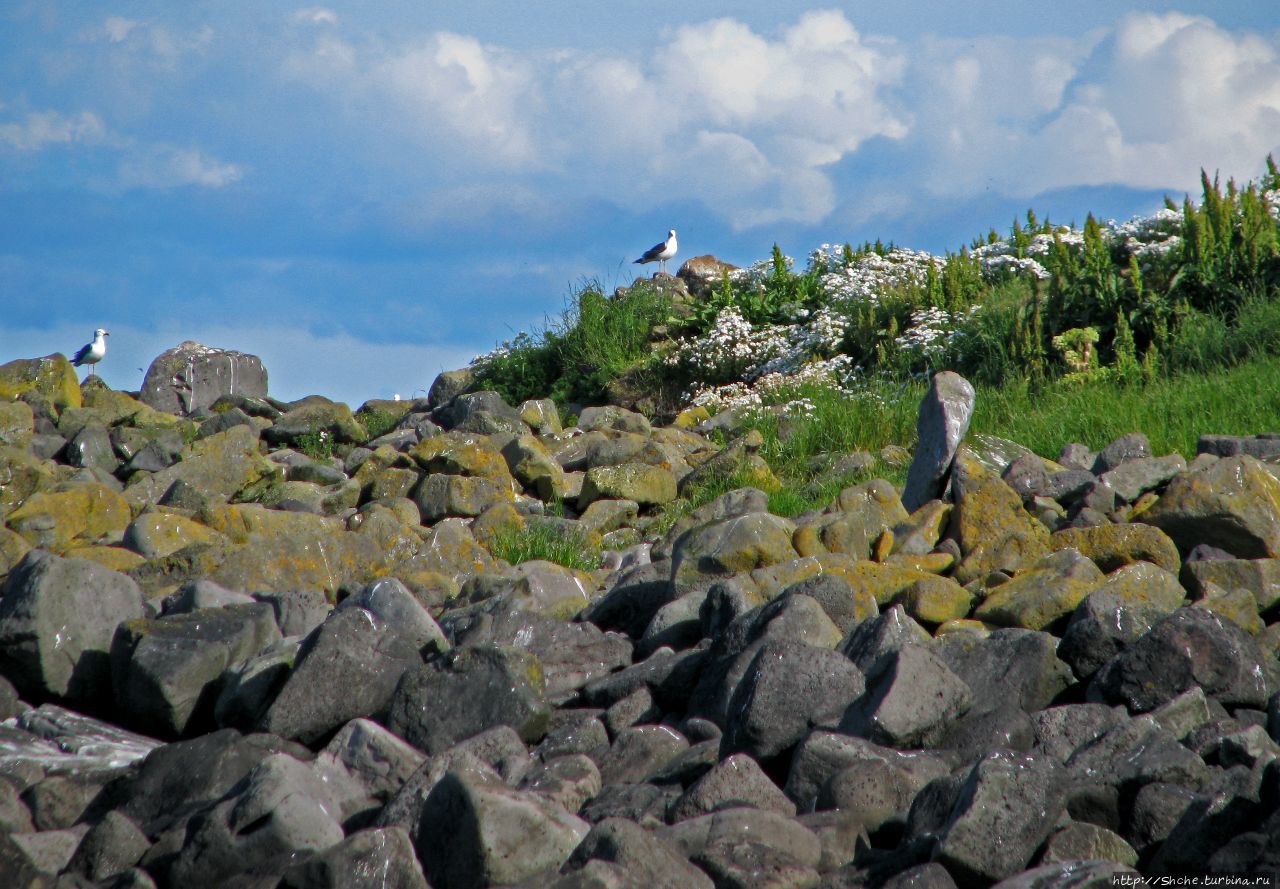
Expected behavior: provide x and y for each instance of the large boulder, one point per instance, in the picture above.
(944, 418)
(990, 526)
(70, 515)
(57, 619)
(190, 377)
(49, 380)
(1232, 503)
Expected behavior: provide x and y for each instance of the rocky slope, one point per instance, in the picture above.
(227, 663)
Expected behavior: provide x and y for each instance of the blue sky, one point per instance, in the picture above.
(364, 197)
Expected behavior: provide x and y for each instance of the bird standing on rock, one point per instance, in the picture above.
(661, 252)
(93, 352)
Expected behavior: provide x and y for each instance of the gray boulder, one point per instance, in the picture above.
(1192, 646)
(467, 691)
(474, 834)
(646, 858)
(1124, 449)
(167, 672)
(945, 412)
(639, 752)
(111, 846)
(391, 602)
(1006, 808)
(909, 701)
(789, 687)
(190, 377)
(379, 858)
(57, 619)
(1100, 628)
(353, 651)
(737, 779)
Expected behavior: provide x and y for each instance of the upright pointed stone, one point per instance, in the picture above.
(944, 418)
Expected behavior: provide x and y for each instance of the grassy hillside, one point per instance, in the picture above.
(1169, 324)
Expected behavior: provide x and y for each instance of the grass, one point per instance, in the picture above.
(546, 542)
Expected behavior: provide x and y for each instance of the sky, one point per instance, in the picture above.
(364, 195)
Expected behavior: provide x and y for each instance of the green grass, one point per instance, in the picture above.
(548, 543)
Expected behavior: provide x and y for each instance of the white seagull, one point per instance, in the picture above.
(661, 252)
(93, 352)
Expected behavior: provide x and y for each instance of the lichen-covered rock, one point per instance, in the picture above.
(1143, 583)
(157, 533)
(534, 467)
(731, 546)
(1042, 594)
(1113, 546)
(21, 475)
(646, 484)
(1232, 503)
(219, 467)
(992, 529)
(57, 619)
(71, 515)
(858, 518)
(442, 496)
(50, 379)
(1261, 577)
(17, 423)
(190, 377)
(935, 600)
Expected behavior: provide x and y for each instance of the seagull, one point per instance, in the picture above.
(661, 252)
(93, 352)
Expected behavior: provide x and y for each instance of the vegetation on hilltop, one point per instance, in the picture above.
(1095, 326)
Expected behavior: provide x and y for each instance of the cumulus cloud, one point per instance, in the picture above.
(744, 121)
(316, 15)
(43, 128)
(1144, 105)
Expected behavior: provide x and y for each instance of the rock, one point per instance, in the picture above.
(190, 377)
(1145, 584)
(1114, 546)
(57, 619)
(910, 698)
(1261, 577)
(298, 612)
(935, 600)
(1208, 824)
(1133, 478)
(372, 756)
(1080, 841)
(283, 806)
(990, 526)
(467, 691)
(751, 863)
(91, 448)
(571, 654)
(318, 420)
(218, 467)
(249, 688)
(1233, 503)
(390, 601)
(1124, 449)
(1100, 628)
(449, 384)
(639, 752)
(646, 485)
(823, 754)
(1062, 730)
(1019, 666)
(873, 640)
(1190, 647)
(71, 515)
(944, 418)
(736, 824)
(788, 688)
(158, 533)
(379, 858)
(475, 834)
(50, 380)
(17, 423)
(440, 496)
(167, 672)
(111, 846)
(1043, 593)
(566, 781)
(1015, 797)
(845, 606)
(355, 648)
(858, 518)
(1137, 752)
(737, 779)
(875, 791)
(1080, 874)
(730, 546)
(647, 858)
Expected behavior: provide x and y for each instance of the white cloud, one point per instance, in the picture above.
(1144, 105)
(316, 15)
(747, 121)
(42, 128)
(165, 166)
(156, 45)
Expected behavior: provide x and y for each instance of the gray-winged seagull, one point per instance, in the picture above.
(93, 352)
(661, 252)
